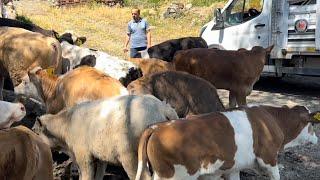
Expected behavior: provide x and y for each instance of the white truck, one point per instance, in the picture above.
(292, 26)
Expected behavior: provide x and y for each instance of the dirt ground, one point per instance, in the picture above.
(296, 163)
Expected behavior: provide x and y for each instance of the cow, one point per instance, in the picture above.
(24, 155)
(67, 36)
(10, 113)
(28, 26)
(80, 85)
(22, 50)
(236, 71)
(224, 143)
(186, 93)
(166, 50)
(117, 68)
(71, 38)
(149, 66)
(103, 131)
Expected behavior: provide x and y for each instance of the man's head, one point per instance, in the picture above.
(135, 12)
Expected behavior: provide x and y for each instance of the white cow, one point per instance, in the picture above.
(10, 113)
(115, 67)
(103, 131)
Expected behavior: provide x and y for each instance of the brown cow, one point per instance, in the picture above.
(224, 143)
(24, 155)
(80, 85)
(236, 71)
(149, 66)
(22, 50)
(186, 93)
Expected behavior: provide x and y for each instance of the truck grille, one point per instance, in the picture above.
(308, 38)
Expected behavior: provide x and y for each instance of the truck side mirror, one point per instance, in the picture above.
(218, 16)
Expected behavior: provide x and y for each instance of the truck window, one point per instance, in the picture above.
(241, 11)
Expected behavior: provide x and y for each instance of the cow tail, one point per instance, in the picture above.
(142, 154)
(57, 55)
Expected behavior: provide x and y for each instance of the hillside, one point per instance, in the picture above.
(105, 27)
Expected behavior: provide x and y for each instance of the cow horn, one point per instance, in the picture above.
(269, 49)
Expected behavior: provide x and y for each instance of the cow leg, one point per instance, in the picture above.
(1, 87)
(233, 176)
(129, 163)
(241, 99)
(232, 99)
(272, 171)
(101, 168)
(86, 165)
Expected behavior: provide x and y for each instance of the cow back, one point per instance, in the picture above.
(21, 50)
(178, 89)
(224, 69)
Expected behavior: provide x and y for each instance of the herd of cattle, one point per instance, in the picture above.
(158, 118)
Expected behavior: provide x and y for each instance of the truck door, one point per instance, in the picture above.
(245, 24)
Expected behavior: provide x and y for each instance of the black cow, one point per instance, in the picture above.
(166, 50)
(69, 37)
(27, 26)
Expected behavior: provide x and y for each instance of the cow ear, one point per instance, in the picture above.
(314, 117)
(269, 49)
(56, 34)
(35, 70)
(80, 41)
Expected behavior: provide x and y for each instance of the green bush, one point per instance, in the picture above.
(142, 2)
(204, 2)
(24, 19)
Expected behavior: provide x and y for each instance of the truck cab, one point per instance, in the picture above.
(292, 26)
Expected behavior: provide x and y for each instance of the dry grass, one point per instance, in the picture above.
(105, 27)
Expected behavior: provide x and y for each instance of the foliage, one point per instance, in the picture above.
(204, 2)
(144, 3)
(105, 27)
(24, 19)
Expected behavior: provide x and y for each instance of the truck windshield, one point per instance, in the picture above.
(241, 11)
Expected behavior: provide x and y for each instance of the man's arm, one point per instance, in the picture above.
(148, 38)
(126, 43)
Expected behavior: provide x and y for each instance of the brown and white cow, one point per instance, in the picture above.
(186, 93)
(153, 65)
(103, 132)
(10, 113)
(236, 71)
(80, 85)
(22, 50)
(224, 143)
(24, 155)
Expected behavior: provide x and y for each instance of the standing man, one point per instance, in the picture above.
(138, 34)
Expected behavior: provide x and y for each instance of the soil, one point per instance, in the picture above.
(302, 162)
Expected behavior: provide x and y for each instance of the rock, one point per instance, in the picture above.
(188, 6)
(175, 10)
